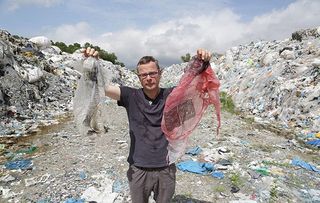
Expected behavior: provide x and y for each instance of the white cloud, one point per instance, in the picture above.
(16, 4)
(280, 24)
(68, 34)
(216, 31)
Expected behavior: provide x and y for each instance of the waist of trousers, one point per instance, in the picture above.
(153, 169)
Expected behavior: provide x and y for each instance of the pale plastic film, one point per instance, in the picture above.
(90, 95)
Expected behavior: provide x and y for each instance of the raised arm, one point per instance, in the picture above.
(111, 91)
(203, 54)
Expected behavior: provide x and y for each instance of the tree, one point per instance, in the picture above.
(102, 53)
(186, 58)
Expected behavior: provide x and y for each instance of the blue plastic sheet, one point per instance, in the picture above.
(118, 186)
(315, 143)
(194, 151)
(305, 165)
(83, 175)
(195, 167)
(72, 200)
(23, 164)
(218, 174)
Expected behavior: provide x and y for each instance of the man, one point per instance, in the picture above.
(149, 170)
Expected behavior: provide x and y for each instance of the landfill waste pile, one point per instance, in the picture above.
(273, 84)
(37, 83)
(276, 83)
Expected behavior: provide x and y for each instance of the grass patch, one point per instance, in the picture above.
(219, 188)
(236, 180)
(274, 163)
(273, 193)
(227, 103)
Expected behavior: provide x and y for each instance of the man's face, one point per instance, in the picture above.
(149, 76)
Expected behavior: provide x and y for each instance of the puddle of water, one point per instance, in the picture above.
(36, 139)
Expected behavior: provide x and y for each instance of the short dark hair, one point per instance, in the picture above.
(148, 59)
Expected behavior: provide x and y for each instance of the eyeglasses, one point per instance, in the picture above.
(151, 74)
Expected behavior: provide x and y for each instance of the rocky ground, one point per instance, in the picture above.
(66, 166)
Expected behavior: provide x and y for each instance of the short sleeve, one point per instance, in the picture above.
(124, 96)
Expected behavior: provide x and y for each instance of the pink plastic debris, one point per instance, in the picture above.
(186, 104)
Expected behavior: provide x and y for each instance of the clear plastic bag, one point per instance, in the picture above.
(198, 88)
(89, 95)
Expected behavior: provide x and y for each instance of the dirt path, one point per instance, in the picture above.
(66, 164)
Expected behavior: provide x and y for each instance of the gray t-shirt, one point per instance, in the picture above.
(148, 147)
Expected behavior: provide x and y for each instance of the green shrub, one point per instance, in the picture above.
(226, 102)
(236, 180)
(102, 53)
(186, 58)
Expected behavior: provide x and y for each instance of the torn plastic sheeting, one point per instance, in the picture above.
(6, 54)
(218, 174)
(198, 88)
(262, 171)
(72, 200)
(36, 180)
(195, 167)
(42, 42)
(89, 95)
(305, 165)
(83, 175)
(23, 164)
(2, 101)
(44, 201)
(31, 73)
(315, 143)
(28, 150)
(310, 195)
(194, 151)
(119, 186)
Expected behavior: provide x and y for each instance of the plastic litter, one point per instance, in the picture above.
(23, 164)
(262, 171)
(305, 165)
(72, 200)
(234, 189)
(34, 75)
(218, 174)
(89, 95)
(118, 186)
(224, 162)
(82, 175)
(310, 195)
(194, 151)
(36, 180)
(315, 143)
(195, 167)
(243, 201)
(42, 42)
(44, 201)
(28, 150)
(198, 88)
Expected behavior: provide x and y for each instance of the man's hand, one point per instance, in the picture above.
(203, 54)
(90, 52)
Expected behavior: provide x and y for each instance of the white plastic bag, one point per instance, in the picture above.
(42, 42)
(89, 95)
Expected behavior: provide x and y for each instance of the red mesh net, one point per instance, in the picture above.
(198, 88)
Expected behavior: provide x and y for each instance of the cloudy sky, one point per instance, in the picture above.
(166, 29)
